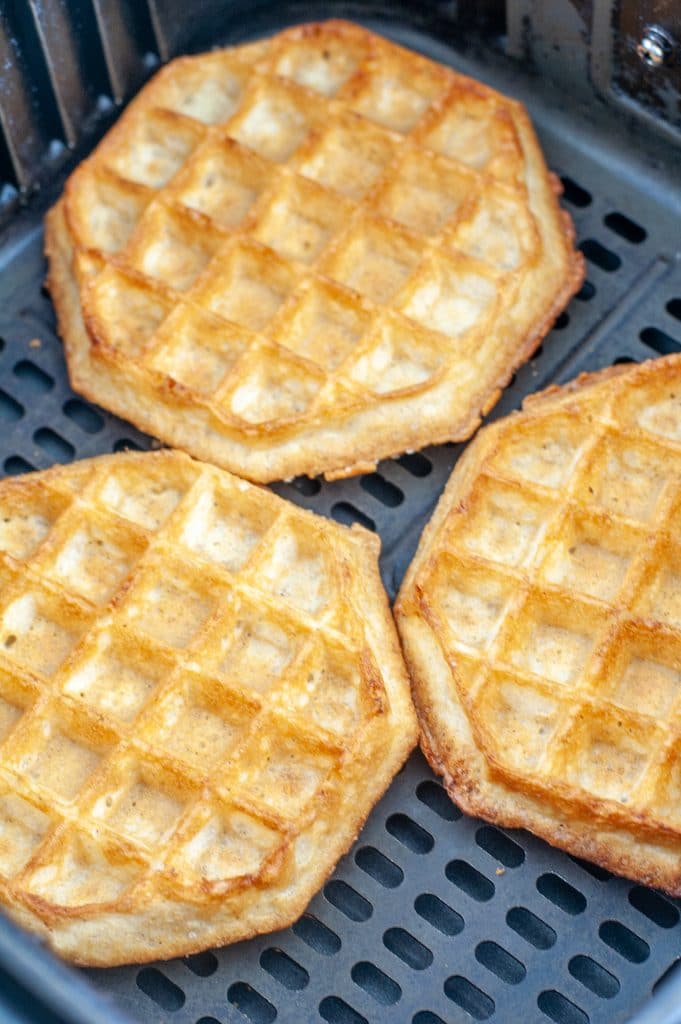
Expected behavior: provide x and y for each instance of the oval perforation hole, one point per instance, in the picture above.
(308, 486)
(531, 928)
(426, 1017)
(250, 1003)
(378, 866)
(202, 964)
(415, 463)
(208, 1020)
(499, 846)
(653, 906)
(346, 899)
(559, 1009)
(659, 340)
(54, 445)
(34, 380)
(469, 997)
(561, 893)
(574, 193)
(600, 255)
(411, 835)
(625, 227)
(14, 465)
(317, 935)
(374, 981)
(591, 869)
(345, 513)
(673, 307)
(432, 909)
(435, 796)
(561, 323)
(382, 490)
(284, 969)
(467, 878)
(160, 990)
(10, 409)
(124, 444)
(667, 975)
(594, 977)
(412, 952)
(625, 942)
(586, 292)
(497, 960)
(337, 1011)
(84, 416)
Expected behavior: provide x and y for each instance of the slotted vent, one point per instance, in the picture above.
(373, 947)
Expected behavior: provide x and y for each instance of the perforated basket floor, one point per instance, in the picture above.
(433, 917)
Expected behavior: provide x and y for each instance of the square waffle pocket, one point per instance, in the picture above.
(541, 621)
(307, 254)
(202, 696)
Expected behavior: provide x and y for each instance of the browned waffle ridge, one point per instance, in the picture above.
(541, 619)
(201, 698)
(306, 254)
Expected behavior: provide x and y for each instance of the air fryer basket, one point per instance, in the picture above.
(433, 916)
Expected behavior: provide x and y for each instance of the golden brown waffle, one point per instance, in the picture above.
(541, 619)
(309, 253)
(201, 698)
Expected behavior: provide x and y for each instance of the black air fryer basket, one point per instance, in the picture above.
(432, 917)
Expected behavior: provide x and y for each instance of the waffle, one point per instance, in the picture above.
(201, 697)
(306, 254)
(541, 619)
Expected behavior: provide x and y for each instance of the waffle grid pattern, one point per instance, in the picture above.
(155, 627)
(341, 229)
(557, 595)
